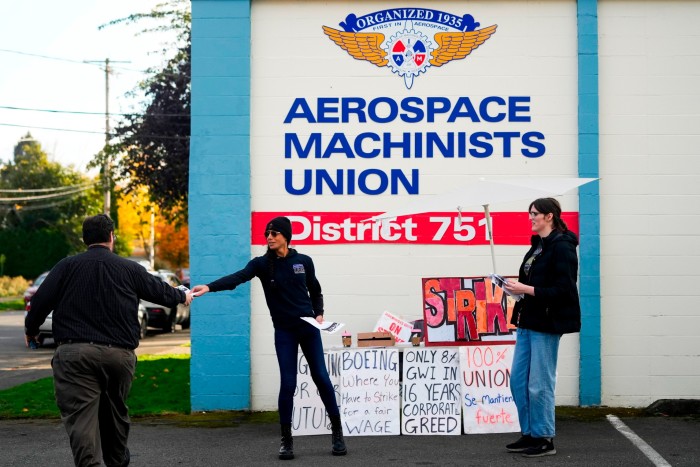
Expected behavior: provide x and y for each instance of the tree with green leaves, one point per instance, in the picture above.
(153, 147)
(42, 207)
(37, 192)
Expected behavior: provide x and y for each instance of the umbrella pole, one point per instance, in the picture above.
(488, 226)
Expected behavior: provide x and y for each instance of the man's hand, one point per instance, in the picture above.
(188, 297)
(199, 290)
(188, 294)
(319, 319)
(29, 339)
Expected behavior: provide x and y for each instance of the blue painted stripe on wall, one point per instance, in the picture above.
(219, 202)
(589, 202)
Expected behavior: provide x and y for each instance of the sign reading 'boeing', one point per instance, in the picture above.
(407, 41)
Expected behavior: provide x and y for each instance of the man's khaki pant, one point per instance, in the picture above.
(92, 383)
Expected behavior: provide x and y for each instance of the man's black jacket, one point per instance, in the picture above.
(95, 297)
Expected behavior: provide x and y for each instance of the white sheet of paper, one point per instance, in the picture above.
(327, 326)
(500, 282)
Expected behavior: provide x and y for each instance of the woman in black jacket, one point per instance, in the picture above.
(550, 308)
(292, 292)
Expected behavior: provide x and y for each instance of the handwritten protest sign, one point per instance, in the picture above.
(310, 416)
(465, 311)
(487, 403)
(400, 329)
(369, 392)
(431, 392)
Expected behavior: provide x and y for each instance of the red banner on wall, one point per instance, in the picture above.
(444, 228)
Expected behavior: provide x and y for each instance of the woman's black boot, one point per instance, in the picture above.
(287, 445)
(339, 448)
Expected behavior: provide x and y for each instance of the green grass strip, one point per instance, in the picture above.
(161, 386)
(12, 305)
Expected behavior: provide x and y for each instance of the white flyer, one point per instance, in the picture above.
(327, 326)
(501, 282)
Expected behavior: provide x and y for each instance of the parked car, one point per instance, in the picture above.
(165, 318)
(31, 290)
(184, 275)
(46, 329)
(143, 321)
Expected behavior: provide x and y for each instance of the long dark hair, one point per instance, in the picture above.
(550, 206)
(271, 257)
(271, 266)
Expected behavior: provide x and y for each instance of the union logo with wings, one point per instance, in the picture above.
(409, 40)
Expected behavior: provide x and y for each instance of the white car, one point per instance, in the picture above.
(31, 290)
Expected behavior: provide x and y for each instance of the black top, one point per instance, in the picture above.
(95, 297)
(291, 292)
(555, 307)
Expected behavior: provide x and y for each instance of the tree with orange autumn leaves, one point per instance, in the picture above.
(171, 241)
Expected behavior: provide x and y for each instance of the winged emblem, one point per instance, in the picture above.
(409, 53)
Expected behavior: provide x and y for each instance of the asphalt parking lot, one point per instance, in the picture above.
(164, 442)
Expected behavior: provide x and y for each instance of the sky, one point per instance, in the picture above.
(43, 46)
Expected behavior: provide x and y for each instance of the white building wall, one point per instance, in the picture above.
(533, 53)
(650, 200)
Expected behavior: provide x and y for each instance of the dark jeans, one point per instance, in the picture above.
(92, 383)
(287, 346)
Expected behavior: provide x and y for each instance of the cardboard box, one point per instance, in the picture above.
(375, 339)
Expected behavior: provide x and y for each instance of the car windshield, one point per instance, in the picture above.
(40, 279)
(167, 277)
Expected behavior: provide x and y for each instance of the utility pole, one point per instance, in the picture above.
(107, 165)
(152, 239)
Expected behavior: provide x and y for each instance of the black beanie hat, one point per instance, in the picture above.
(282, 225)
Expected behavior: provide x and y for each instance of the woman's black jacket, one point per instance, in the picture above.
(555, 306)
(290, 285)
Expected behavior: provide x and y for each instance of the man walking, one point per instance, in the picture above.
(94, 297)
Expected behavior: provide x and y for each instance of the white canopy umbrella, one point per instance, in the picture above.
(483, 192)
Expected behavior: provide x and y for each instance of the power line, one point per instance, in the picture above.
(42, 206)
(67, 60)
(42, 56)
(77, 112)
(8, 107)
(44, 190)
(113, 135)
(49, 128)
(44, 197)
